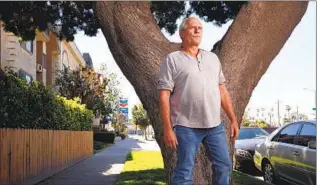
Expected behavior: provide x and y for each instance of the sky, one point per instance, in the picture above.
(292, 70)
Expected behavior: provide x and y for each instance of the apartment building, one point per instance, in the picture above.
(40, 59)
(21, 56)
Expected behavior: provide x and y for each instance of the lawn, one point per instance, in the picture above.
(146, 168)
(142, 168)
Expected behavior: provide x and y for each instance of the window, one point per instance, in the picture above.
(28, 45)
(308, 133)
(25, 76)
(287, 135)
(250, 133)
(44, 60)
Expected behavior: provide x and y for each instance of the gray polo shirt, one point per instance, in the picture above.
(194, 84)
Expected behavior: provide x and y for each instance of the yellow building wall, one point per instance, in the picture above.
(70, 56)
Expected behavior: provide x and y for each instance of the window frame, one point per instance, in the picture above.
(298, 134)
(277, 135)
(23, 44)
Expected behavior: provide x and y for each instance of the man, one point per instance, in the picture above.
(192, 92)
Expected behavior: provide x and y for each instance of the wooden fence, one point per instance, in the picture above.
(28, 153)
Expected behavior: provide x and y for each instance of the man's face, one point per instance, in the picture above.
(192, 33)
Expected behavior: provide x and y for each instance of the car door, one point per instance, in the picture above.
(280, 151)
(305, 156)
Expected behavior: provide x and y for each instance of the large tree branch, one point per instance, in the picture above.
(253, 41)
(145, 43)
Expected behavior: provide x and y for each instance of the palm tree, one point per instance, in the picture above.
(288, 109)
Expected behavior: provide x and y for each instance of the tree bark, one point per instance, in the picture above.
(246, 51)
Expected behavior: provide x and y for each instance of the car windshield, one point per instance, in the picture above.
(250, 133)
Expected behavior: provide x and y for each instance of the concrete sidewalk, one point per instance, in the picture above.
(101, 168)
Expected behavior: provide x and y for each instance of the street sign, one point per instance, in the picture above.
(123, 106)
(314, 108)
(124, 110)
(123, 102)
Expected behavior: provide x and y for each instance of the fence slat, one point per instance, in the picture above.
(27, 153)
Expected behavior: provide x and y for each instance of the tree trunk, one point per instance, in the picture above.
(246, 51)
(145, 134)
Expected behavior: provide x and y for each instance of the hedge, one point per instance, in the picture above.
(34, 106)
(105, 137)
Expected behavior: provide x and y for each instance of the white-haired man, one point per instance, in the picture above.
(192, 92)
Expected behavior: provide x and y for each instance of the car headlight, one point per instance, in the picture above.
(243, 153)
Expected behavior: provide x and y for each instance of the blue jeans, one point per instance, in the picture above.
(215, 143)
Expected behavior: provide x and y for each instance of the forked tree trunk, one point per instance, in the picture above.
(246, 51)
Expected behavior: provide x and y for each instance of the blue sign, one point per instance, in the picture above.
(124, 110)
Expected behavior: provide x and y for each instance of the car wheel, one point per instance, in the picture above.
(268, 173)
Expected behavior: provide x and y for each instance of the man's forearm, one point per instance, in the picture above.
(228, 108)
(226, 104)
(165, 112)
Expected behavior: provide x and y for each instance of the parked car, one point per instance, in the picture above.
(245, 146)
(289, 154)
(269, 129)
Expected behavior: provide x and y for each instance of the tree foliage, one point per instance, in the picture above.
(261, 123)
(246, 122)
(89, 86)
(140, 116)
(98, 90)
(112, 92)
(66, 18)
(118, 122)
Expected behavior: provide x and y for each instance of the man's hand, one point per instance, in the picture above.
(170, 139)
(234, 131)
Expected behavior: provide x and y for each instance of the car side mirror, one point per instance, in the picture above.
(312, 144)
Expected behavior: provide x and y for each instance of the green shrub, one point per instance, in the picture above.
(106, 137)
(98, 145)
(35, 106)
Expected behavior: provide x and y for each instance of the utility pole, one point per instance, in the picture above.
(270, 114)
(278, 112)
(297, 117)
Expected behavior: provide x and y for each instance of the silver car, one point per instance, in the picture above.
(289, 154)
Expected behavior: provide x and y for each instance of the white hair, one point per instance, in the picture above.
(183, 25)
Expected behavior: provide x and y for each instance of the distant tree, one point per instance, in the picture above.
(141, 118)
(294, 116)
(261, 123)
(119, 122)
(246, 122)
(245, 119)
(288, 109)
(286, 120)
(302, 116)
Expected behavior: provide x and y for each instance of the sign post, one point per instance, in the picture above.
(124, 108)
